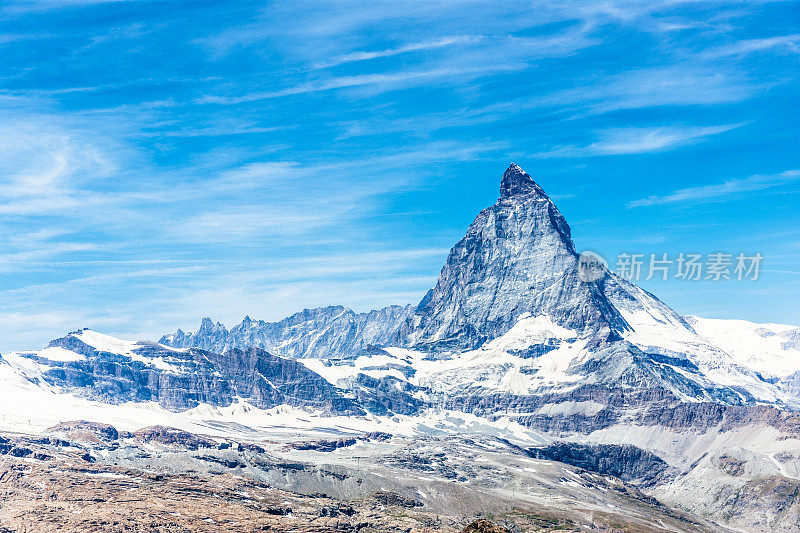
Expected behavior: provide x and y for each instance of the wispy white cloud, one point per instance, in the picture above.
(625, 141)
(720, 191)
(475, 56)
(787, 43)
(53, 249)
(38, 158)
(675, 85)
(276, 199)
(353, 57)
(49, 169)
(386, 82)
(616, 141)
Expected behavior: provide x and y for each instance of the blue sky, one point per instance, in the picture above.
(165, 161)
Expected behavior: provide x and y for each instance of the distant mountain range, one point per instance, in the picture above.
(321, 332)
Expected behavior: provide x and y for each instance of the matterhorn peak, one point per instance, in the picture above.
(517, 258)
(517, 182)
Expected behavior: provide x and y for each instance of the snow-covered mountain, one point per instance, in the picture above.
(509, 326)
(517, 258)
(513, 280)
(512, 338)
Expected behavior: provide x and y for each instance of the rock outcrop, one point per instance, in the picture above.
(484, 526)
(625, 462)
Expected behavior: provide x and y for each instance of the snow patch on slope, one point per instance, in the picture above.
(503, 364)
(760, 347)
(527, 331)
(338, 371)
(53, 353)
(105, 343)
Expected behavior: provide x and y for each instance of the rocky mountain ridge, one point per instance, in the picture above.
(102, 368)
(333, 331)
(517, 263)
(510, 320)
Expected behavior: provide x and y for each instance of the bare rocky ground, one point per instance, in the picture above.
(89, 477)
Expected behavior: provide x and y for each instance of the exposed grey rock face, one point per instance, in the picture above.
(767, 504)
(386, 395)
(328, 332)
(173, 437)
(517, 257)
(791, 383)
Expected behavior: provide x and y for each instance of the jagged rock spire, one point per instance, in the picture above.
(517, 182)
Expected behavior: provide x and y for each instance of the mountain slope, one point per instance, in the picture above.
(772, 349)
(511, 291)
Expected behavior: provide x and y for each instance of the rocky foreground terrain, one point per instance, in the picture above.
(82, 476)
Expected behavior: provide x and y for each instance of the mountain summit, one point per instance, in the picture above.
(517, 182)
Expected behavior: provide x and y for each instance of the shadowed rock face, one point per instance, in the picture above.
(625, 462)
